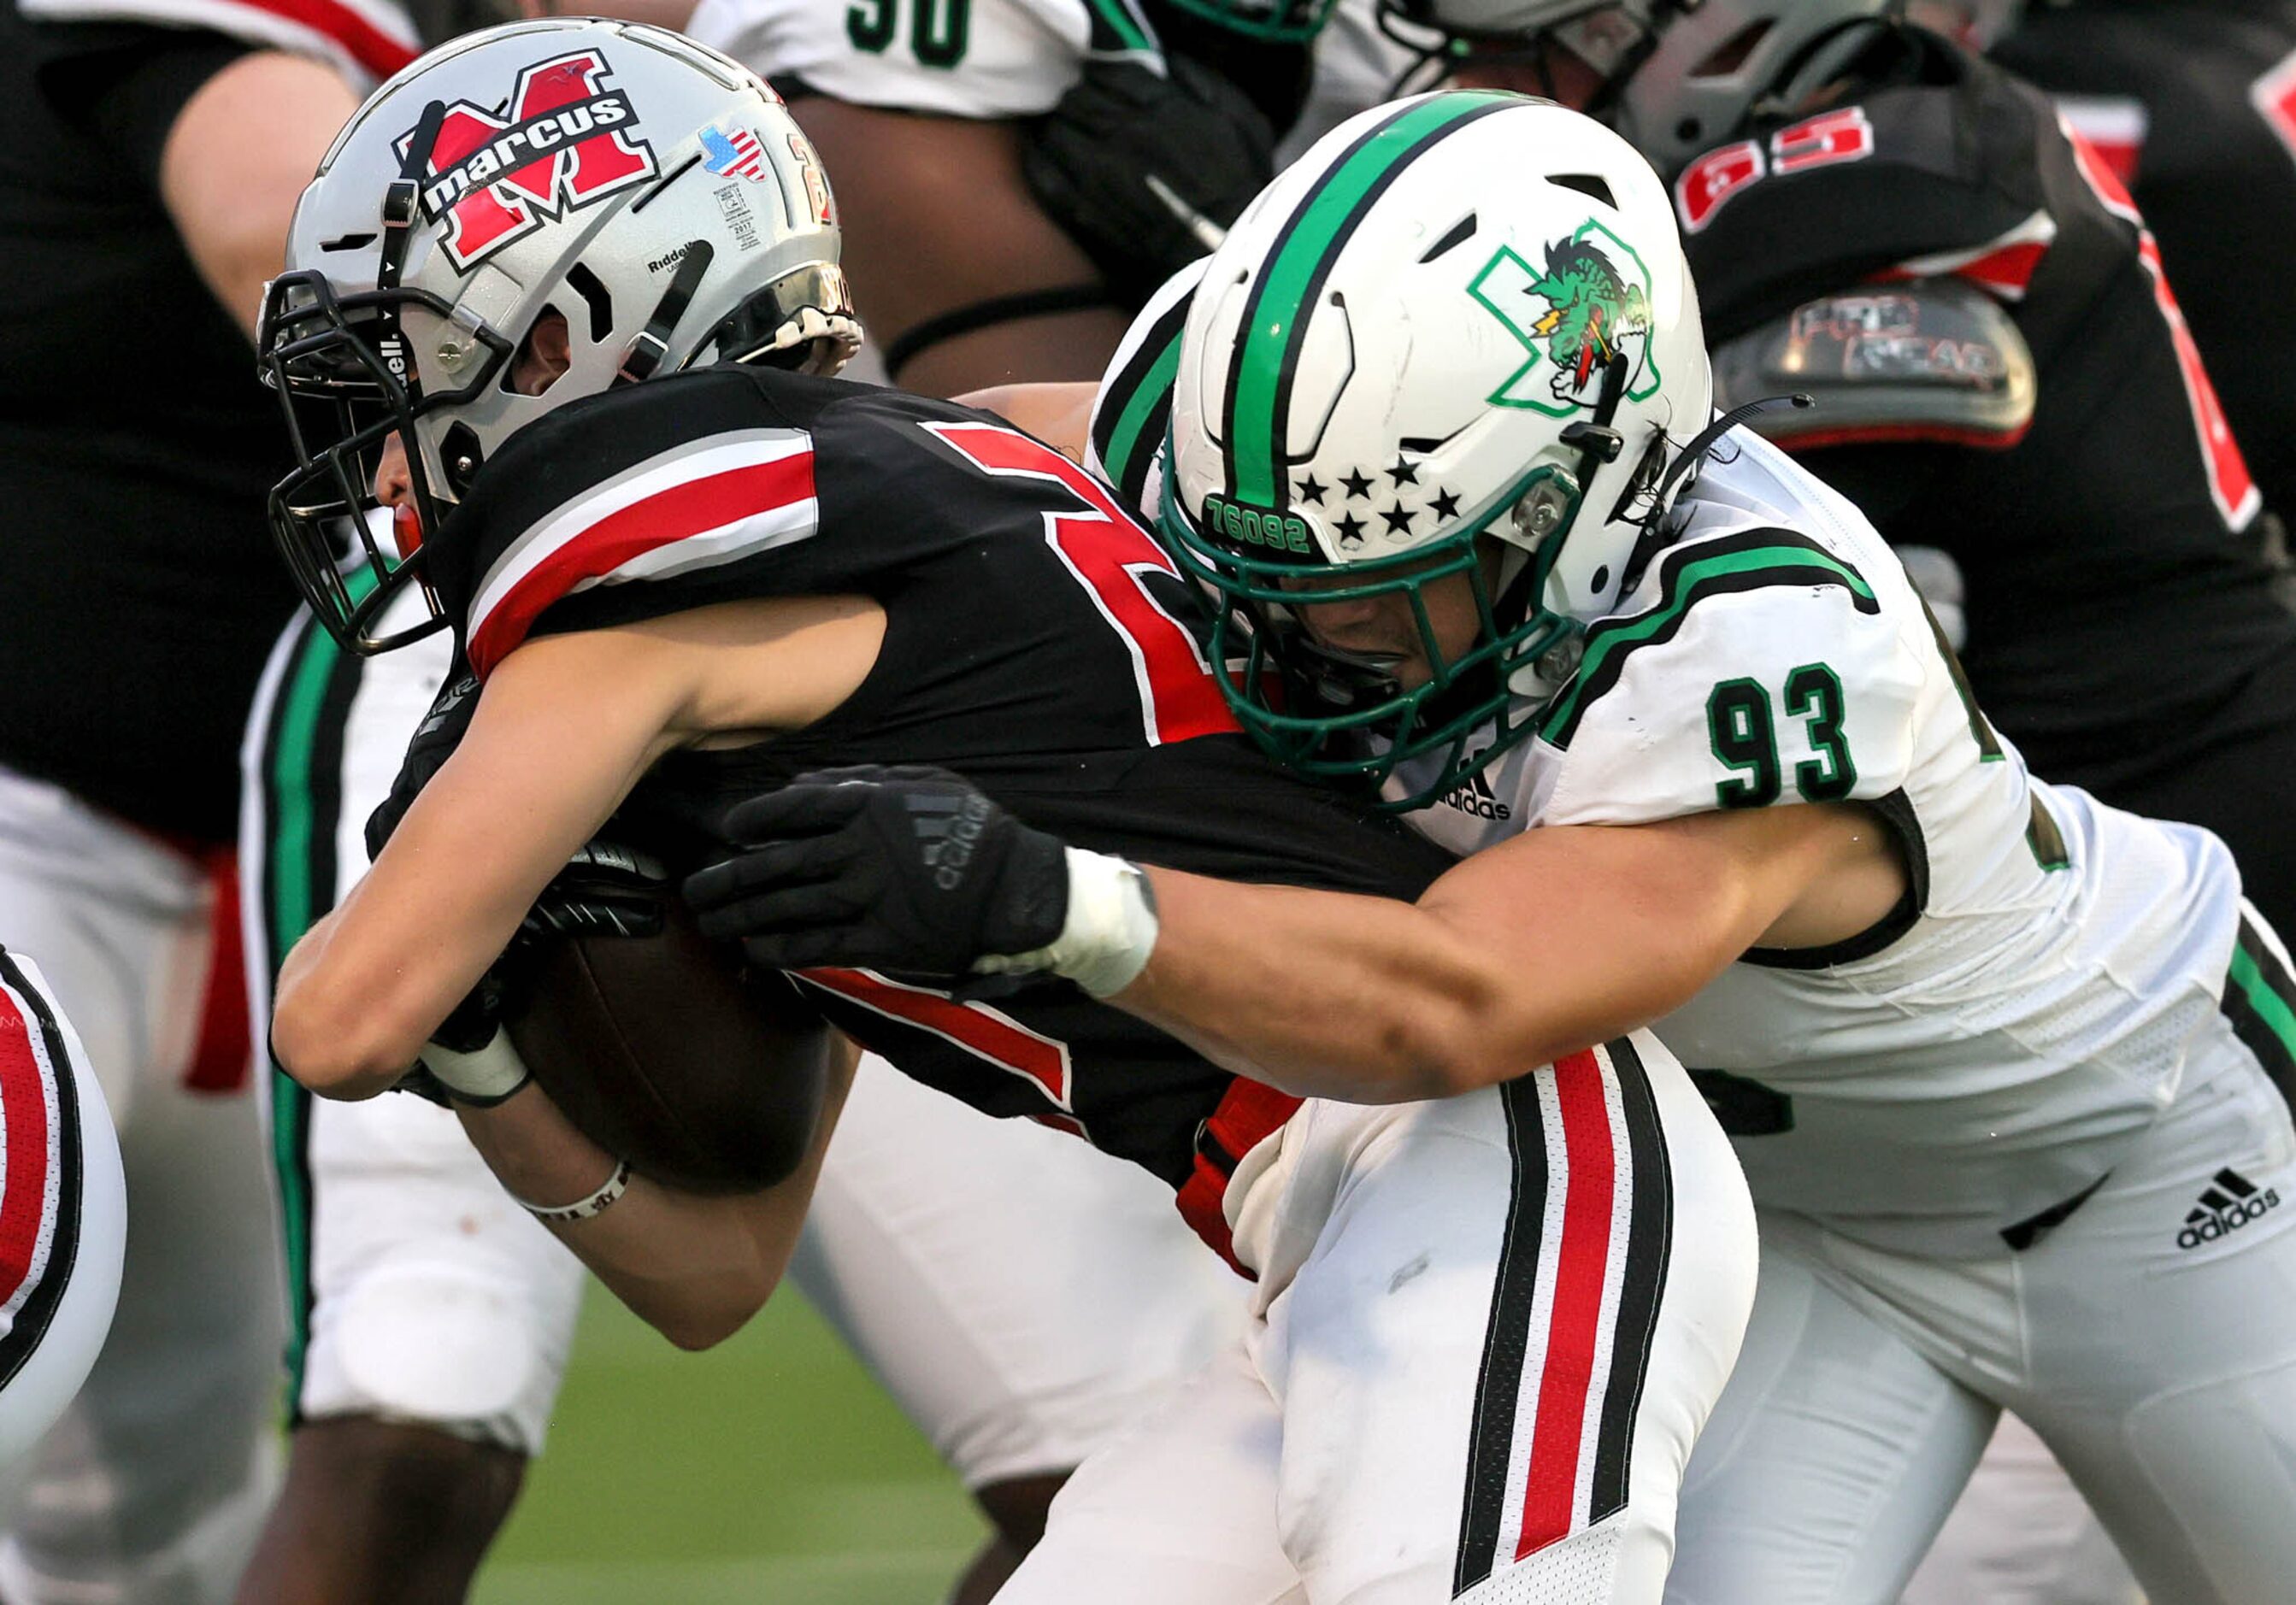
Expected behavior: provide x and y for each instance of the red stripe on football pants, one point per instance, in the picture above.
(1581, 1266)
(25, 1098)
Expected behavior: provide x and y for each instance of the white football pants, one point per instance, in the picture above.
(2149, 1340)
(1488, 1331)
(152, 1486)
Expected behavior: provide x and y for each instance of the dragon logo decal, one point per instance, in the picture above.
(1588, 304)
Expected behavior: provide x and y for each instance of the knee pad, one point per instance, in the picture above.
(438, 1345)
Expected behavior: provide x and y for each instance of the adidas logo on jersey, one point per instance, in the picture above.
(2224, 1208)
(1474, 796)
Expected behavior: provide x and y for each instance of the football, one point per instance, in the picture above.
(669, 1051)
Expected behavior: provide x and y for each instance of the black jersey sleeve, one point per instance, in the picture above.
(126, 83)
(1935, 175)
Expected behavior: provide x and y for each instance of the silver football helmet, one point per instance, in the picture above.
(653, 193)
(1678, 75)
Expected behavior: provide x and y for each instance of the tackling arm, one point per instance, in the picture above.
(1559, 938)
(1526, 952)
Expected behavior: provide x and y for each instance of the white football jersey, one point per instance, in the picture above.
(1984, 1054)
(1005, 58)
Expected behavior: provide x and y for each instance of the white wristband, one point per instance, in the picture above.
(1110, 932)
(484, 1078)
(582, 1210)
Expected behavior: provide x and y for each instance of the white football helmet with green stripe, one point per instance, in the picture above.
(1458, 337)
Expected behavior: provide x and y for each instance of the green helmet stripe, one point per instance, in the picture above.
(1118, 29)
(1274, 322)
(1707, 572)
(1131, 441)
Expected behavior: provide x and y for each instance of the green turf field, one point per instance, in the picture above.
(769, 1470)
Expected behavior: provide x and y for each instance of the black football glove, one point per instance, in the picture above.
(435, 741)
(605, 889)
(909, 870)
(1145, 171)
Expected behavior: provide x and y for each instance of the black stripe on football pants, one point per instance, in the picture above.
(2261, 1037)
(1650, 1249)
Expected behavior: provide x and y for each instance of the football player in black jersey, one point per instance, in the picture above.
(2193, 103)
(150, 154)
(675, 594)
(1878, 217)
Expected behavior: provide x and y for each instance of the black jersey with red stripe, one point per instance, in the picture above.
(1038, 640)
(2118, 585)
(2194, 103)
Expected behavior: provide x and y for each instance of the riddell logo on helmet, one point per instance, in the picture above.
(562, 139)
(2234, 1201)
(1257, 526)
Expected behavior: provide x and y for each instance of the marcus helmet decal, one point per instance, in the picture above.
(1589, 303)
(564, 138)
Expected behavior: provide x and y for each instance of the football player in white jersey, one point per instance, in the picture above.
(2005, 1066)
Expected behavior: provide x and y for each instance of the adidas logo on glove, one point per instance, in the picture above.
(2224, 1208)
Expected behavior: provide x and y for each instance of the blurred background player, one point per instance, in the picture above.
(1019, 174)
(150, 154)
(2193, 103)
(63, 1207)
(1018, 1297)
(2000, 365)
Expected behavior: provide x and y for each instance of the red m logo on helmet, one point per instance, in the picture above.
(564, 139)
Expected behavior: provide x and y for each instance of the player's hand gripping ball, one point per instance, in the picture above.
(663, 1047)
(909, 869)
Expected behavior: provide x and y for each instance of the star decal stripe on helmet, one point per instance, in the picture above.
(1275, 323)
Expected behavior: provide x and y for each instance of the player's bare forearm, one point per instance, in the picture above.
(566, 726)
(693, 1268)
(553, 750)
(1526, 952)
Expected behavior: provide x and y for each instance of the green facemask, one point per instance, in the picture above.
(1338, 718)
